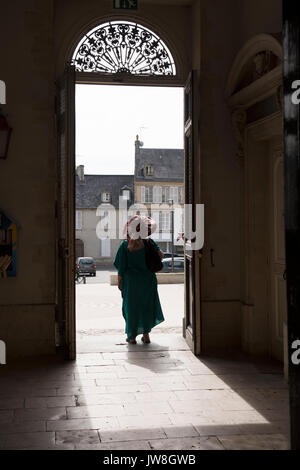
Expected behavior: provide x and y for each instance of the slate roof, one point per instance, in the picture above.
(88, 194)
(168, 164)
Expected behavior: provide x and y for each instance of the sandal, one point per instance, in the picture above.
(144, 340)
(131, 341)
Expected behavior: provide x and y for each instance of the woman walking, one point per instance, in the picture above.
(141, 306)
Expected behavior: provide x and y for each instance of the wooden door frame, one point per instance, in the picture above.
(65, 214)
(193, 258)
(102, 79)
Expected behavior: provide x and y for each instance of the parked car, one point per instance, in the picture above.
(178, 265)
(86, 265)
(169, 255)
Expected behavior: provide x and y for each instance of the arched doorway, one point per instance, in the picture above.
(116, 52)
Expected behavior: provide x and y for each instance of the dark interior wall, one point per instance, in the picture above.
(225, 27)
(37, 37)
(27, 189)
(74, 18)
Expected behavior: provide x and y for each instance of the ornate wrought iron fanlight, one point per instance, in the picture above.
(123, 47)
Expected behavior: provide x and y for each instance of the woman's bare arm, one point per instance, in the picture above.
(119, 282)
(161, 254)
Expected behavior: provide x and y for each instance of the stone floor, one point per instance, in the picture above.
(156, 396)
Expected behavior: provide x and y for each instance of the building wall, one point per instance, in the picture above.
(138, 185)
(27, 189)
(73, 19)
(92, 244)
(225, 27)
(163, 237)
(38, 36)
(41, 36)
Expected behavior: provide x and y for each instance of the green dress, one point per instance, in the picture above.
(141, 306)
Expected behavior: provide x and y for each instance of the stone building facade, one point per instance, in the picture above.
(159, 186)
(97, 214)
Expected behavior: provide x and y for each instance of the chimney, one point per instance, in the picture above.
(80, 173)
(137, 143)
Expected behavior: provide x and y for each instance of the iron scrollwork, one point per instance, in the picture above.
(123, 47)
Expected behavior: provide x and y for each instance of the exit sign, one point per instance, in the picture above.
(125, 4)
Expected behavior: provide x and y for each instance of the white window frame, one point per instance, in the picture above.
(165, 193)
(105, 248)
(79, 218)
(157, 194)
(148, 194)
(105, 196)
(126, 194)
(174, 194)
(149, 170)
(180, 195)
(164, 221)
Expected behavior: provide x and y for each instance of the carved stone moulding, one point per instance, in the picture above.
(255, 77)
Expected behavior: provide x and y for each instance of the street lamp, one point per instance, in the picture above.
(171, 201)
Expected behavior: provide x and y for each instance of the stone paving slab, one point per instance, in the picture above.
(255, 442)
(127, 445)
(117, 343)
(157, 396)
(188, 443)
(27, 440)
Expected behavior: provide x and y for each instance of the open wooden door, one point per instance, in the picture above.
(65, 118)
(278, 304)
(191, 326)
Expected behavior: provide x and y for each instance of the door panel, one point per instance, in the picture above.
(65, 118)
(277, 259)
(190, 325)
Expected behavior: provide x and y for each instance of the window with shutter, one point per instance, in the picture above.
(165, 194)
(143, 195)
(157, 194)
(149, 194)
(126, 194)
(105, 197)
(78, 220)
(105, 248)
(180, 195)
(174, 194)
(164, 221)
(149, 170)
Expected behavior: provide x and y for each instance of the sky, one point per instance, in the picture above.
(108, 118)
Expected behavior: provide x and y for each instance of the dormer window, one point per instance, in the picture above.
(126, 194)
(149, 170)
(105, 197)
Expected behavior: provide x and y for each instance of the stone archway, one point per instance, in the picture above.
(114, 52)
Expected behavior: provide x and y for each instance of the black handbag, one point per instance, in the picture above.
(153, 260)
